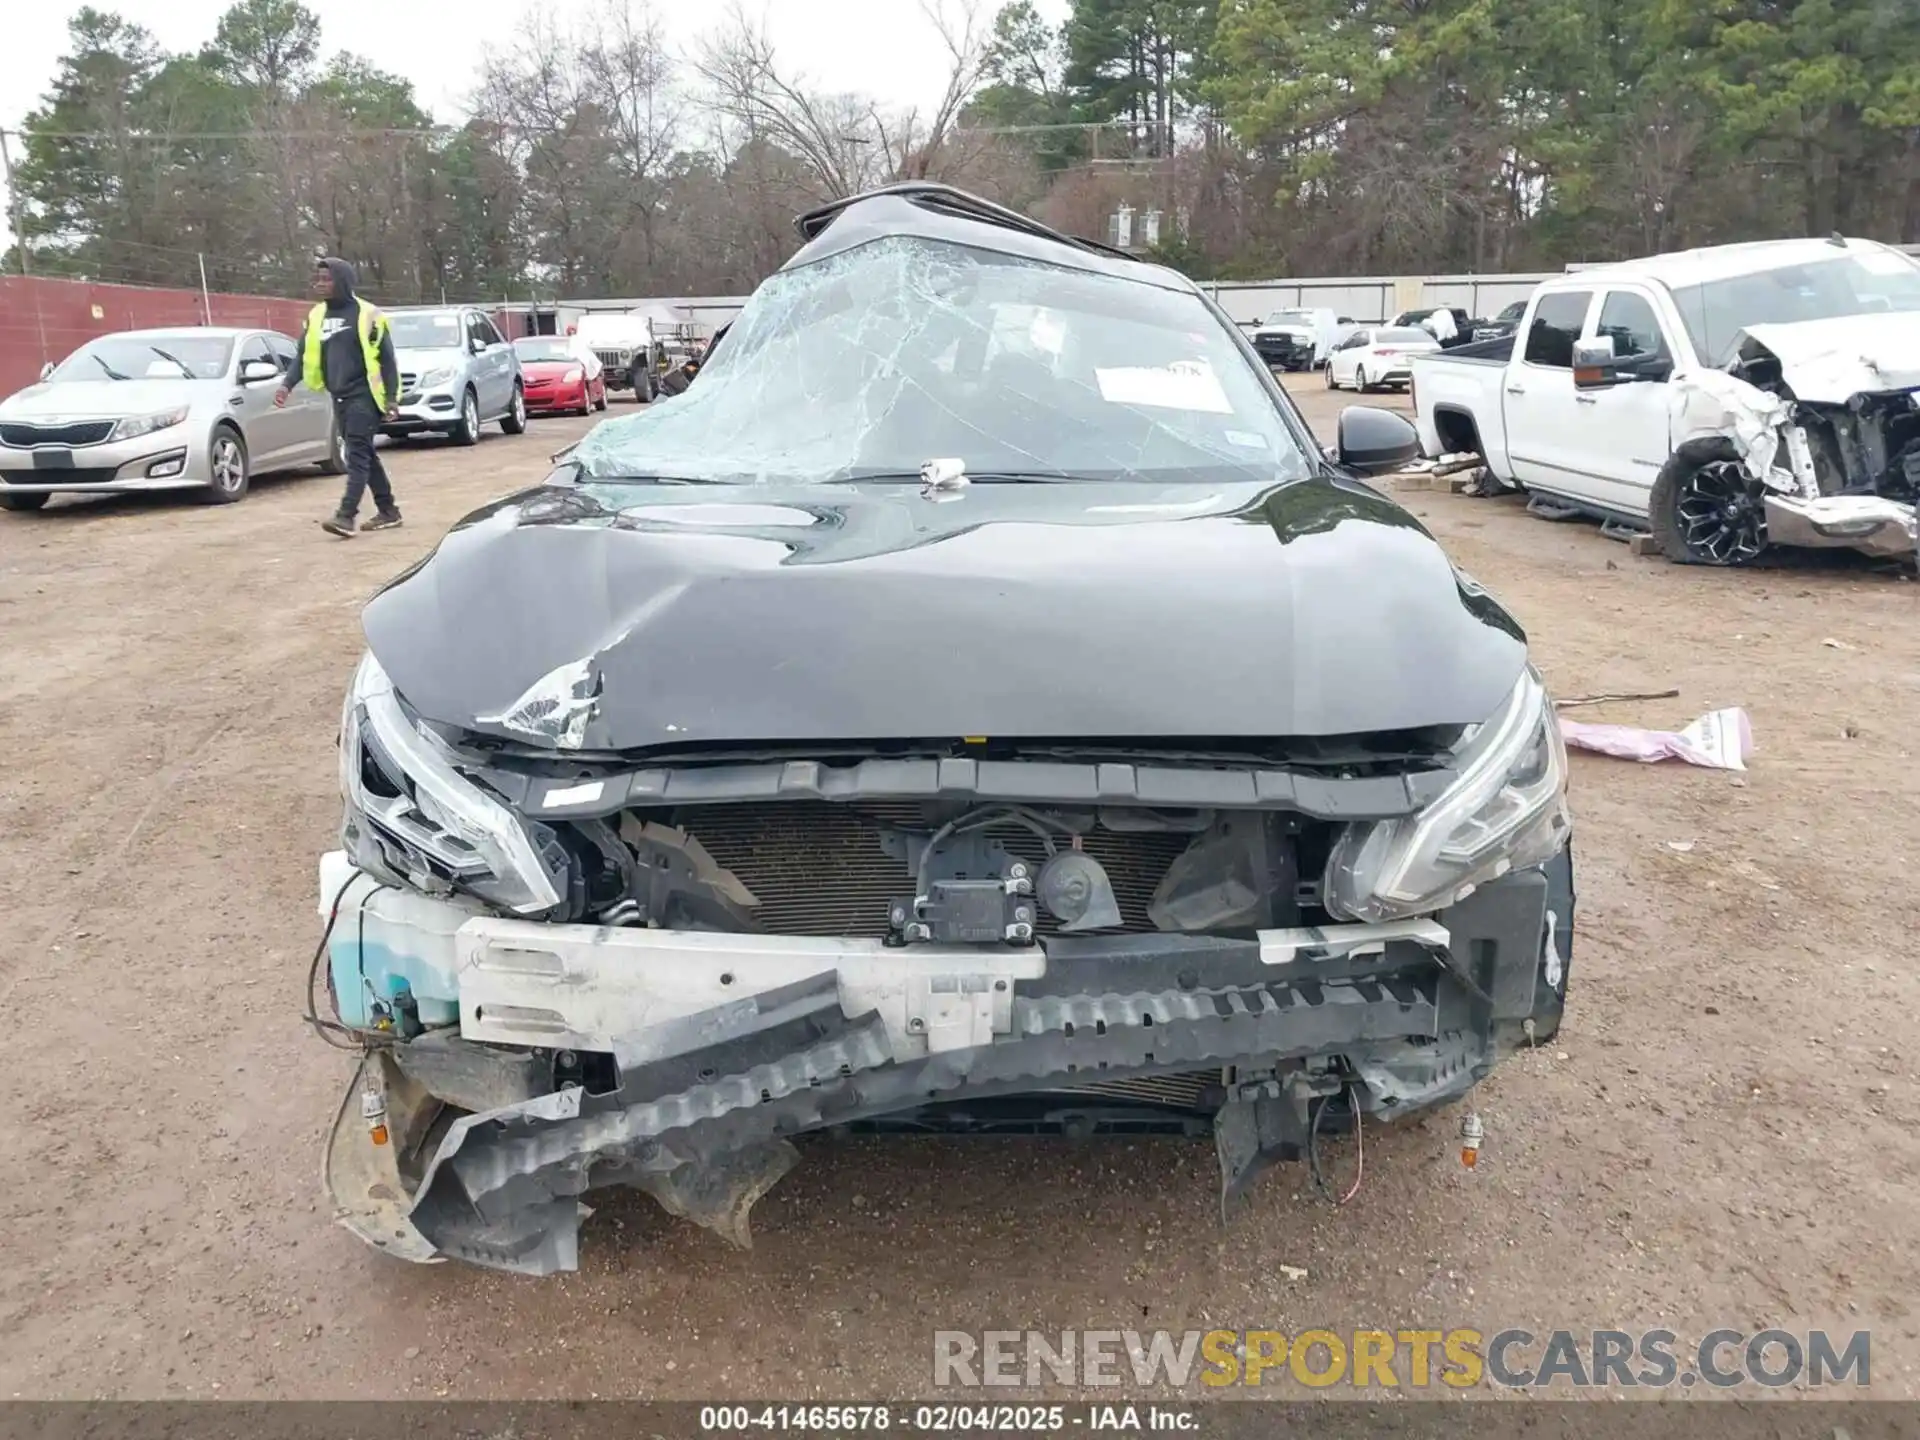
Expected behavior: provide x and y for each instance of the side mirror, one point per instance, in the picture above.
(1593, 354)
(1372, 441)
(1597, 365)
(252, 372)
(46, 370)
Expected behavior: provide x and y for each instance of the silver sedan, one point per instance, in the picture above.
(182, 409)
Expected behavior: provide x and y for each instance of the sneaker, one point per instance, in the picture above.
(383, 520)
(341, 525)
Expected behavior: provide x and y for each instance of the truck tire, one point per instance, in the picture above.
(1705, 509)
(643, 392)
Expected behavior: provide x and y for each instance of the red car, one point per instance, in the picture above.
(559, 378)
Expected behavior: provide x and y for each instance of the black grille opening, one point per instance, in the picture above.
(822, 869)
(88, 432)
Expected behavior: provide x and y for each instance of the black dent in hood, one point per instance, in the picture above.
(1081, 610)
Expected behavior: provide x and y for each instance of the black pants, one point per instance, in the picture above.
(359, 421)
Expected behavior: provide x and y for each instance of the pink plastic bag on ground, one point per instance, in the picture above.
(1719, 740)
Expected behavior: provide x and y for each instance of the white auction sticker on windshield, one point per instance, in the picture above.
(1183, 385)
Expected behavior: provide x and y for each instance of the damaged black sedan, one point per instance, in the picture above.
(975, 706)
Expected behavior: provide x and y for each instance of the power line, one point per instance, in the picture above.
(170, 137)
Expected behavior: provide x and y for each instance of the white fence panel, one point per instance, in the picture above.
(1369, 299)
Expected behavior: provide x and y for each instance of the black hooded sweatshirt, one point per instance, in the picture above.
(346, 369)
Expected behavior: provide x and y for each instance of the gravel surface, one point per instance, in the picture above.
(1723, 1134)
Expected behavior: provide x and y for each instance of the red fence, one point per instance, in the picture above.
(42, 320)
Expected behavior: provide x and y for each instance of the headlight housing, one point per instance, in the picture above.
(412, 818)
(1506, 810)
(136, 425)
(436, 377)
(575, 375)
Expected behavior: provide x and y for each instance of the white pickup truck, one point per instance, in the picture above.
(1726, 399)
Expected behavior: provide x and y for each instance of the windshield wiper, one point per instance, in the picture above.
(112, 374)
(185, 369)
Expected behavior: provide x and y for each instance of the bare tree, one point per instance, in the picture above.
(832, 135)
(591, 115)
(629, 78)
(539, 98)
(846, 141)
(926, 147)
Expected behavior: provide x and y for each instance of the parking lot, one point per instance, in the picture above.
(1723, 1134)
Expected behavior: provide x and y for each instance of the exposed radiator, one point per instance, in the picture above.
(819, 868)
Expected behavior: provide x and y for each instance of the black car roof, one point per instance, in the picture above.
(928, 211)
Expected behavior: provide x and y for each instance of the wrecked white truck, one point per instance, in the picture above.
(1727, 399)
(977, 707)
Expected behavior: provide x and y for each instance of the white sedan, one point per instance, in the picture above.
(1377, 355)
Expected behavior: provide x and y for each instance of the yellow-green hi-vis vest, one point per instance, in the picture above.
(371, 324)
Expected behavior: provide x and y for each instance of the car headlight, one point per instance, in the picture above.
(576, 375)
(137, 425)
(413, 818)
(436, 377)
(1507, 809)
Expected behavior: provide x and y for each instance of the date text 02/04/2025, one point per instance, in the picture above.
(945, 1419)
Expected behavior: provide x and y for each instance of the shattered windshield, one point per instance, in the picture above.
(1865, 282)
(874, 361)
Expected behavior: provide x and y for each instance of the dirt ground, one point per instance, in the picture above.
(1724, 1133)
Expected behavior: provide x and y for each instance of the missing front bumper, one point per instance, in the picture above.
(720, 1048)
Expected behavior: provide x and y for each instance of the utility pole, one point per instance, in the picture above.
(17, 211)
(406, 222)
(206, 300)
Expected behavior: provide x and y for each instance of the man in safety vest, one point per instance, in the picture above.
(346, 349)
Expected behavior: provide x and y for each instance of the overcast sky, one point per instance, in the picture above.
(880, 47)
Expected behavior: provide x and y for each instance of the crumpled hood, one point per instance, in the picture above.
(100, 399)
(855, 612)
(1830, 361)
